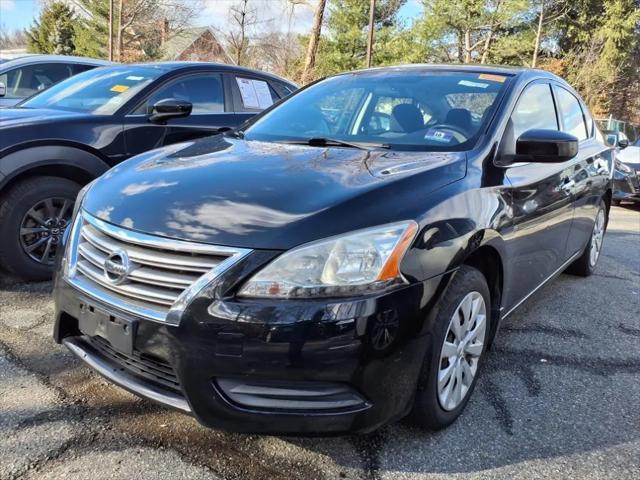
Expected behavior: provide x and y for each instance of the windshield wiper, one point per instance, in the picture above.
(334, 142)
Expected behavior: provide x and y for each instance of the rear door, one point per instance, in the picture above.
(212, 110)
(590, 168)
(541, 199)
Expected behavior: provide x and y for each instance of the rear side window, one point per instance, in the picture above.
(254, 94)
(205, 92)
(25, 81)
(534, 110)
(571, 113)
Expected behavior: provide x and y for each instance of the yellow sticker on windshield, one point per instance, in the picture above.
(491, 77)
(119, 88)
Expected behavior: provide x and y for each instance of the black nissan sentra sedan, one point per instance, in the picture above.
(343, 261)
(62, 138)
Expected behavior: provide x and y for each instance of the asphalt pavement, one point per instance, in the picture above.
(559, 398)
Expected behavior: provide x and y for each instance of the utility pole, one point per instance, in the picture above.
(372, 17)
(111, 30)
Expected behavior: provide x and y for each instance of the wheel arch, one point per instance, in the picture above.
(62, 161)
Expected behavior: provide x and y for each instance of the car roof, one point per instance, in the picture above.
(32, 59)
(175, 65)
(475, 68)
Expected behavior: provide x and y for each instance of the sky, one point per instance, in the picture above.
(16, 14)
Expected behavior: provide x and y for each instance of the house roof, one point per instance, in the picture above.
(180, 42)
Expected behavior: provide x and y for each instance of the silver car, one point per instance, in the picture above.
(24, 76)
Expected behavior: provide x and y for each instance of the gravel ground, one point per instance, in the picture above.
(559, 398)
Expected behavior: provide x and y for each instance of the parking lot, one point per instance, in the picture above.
(559, 398)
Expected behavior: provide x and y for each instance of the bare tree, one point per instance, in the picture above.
(12, 39)
(545, 19)
(372, 18)
(242, 18)
(314, 40)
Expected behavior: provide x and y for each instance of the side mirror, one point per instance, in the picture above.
(546, 146)
(623, 143)
(169, 108)
(3, 89)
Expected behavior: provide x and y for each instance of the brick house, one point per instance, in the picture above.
(195, 44)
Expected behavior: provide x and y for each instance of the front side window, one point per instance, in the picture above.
(204, 92)
(25, 81)
(571, 112)
(534, 110)
(101, 91)
(416, 110)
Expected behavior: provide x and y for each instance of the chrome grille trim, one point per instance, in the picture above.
(165, 274)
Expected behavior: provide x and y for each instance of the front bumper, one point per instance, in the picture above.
(294, 367)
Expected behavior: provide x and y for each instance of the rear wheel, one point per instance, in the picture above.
(586, 263)
(33, 216)
(458, 342)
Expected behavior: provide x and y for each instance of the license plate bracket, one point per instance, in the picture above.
(119, 332)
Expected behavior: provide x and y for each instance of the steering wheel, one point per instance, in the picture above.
(458, 133)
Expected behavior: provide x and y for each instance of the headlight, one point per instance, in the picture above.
(68, 259)
(357, 262)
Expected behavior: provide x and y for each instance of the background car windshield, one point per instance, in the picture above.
(411, 111)
(101, 91)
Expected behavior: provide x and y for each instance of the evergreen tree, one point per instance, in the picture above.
(345, 44)
(54, 31)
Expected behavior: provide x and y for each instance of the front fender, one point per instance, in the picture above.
(29, 158)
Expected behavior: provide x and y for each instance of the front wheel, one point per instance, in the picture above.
(33, 216)
(459, 338)
(586, 263)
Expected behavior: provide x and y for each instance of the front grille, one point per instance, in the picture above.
(150, 368)
(159, 272)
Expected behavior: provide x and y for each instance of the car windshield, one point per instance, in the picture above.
(100, 91)
(422, 110)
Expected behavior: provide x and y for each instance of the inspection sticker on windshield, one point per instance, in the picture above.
(468, 83)
(119, 88)
(440, 136)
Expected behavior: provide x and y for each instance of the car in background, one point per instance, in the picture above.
(344, 258)
(25, 76)
(626, 174)
(62, 138)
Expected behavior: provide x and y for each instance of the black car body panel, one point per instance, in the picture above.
(263, 214)
(530, 220)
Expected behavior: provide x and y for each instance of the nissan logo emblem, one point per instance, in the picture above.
(117, 267)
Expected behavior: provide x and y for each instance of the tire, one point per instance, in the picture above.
(28, 195)
(430, 408)
(616, 203)
(585, 264)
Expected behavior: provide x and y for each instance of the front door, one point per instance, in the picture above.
(204, 90)
(542, 196)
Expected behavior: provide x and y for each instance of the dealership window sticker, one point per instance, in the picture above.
(255, 93)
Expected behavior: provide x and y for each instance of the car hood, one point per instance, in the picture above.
(266, 195)
(13, 117)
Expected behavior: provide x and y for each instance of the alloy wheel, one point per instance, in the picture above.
(42, 228)
(461, 350)
(596, 239)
